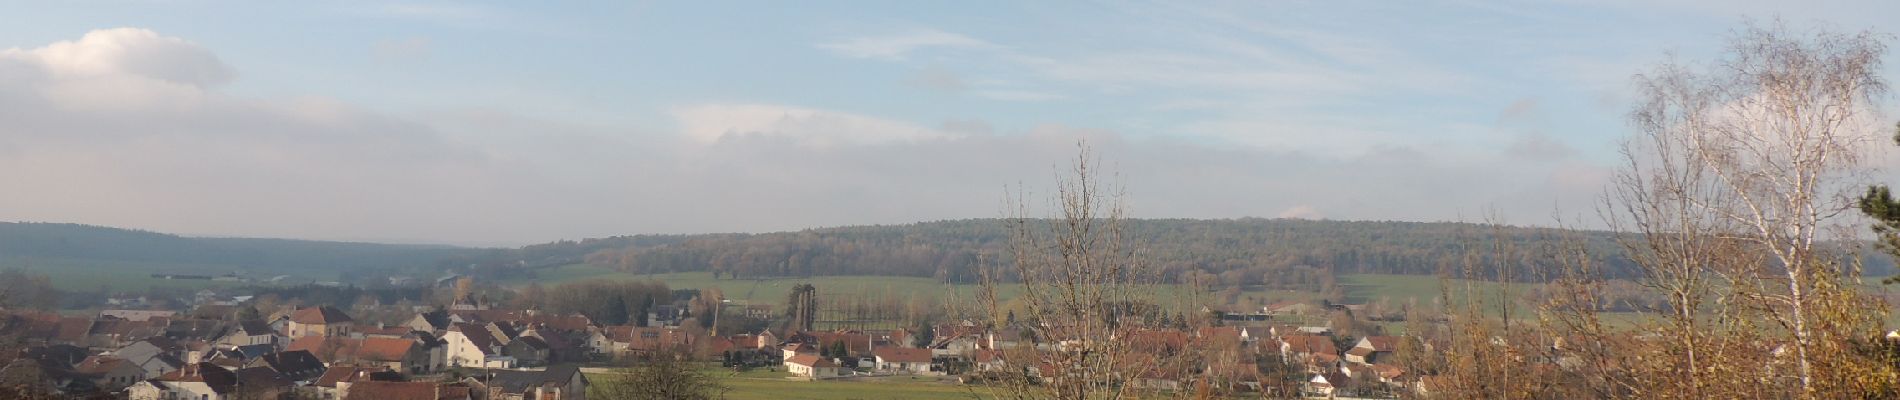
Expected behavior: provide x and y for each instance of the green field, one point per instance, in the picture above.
(762, 291)
(773, 290)
(1361, 287)
(760, 384)
(1402, 288)
(1394, 289)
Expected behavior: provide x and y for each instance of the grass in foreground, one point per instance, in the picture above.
(761, 384)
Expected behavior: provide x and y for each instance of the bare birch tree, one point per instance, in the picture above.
(1733, 184)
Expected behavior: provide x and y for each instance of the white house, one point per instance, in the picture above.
(904, 360)
(469, 345)
(811, 366)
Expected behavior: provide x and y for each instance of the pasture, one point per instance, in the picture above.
(760, 384)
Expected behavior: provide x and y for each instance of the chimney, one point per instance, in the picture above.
(193, 357)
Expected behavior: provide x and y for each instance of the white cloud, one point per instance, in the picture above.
(121, 69)
(192, 158)
(898, 46)
(128, 51)
(1301, 212)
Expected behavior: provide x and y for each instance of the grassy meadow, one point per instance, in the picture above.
(1396, 289)
(762, 384)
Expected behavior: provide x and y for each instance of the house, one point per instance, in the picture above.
(252, 332)
(527, 350)
(812, 366)
(1219, 332)
(294, 365)
(260, 383)
(437, 348)
(1313, 350)
(471, 345)
(666, 315)
(1007, 338)
(403, 355)
(110, 373)
(379, 390)
(790, 350)
(326, 387)
(1324, 384)
(336, 382)
(46, 375)
(633, 339)
(1389, 374)
(137, 315)
(157, 356)
(555, 383)
(110, 332)
(904, 360)
(1253, 334)
(957, 345)
(1372, 348)
(196, 329)
(203, 381)
(319, 321)
(433, 321)
(988, 360)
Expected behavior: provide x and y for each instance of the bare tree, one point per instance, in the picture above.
(1733, 186)
(665, 376)
(1085, 290)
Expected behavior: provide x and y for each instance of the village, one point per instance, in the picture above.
(469, 350)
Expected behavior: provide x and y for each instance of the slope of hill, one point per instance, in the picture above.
(1296, 253)
(109, 255)
(1276, 252)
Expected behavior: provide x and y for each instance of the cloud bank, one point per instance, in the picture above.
(128, 127)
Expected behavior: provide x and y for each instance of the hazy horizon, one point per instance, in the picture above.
(510, 124)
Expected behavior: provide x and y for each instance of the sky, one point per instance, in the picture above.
(511, 123)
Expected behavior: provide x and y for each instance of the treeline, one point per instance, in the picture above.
(606, 303)
(1295, 254)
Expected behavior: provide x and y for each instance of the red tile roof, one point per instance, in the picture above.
(319, 315)
(1388, 371)
(902, 355)
(337, 349)
(811, 360)
(1309, 344)
(99, 365)
(337, 374)
(383, 349)
(1382, 343)
(406, 391)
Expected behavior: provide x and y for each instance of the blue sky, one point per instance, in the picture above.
(508, 122)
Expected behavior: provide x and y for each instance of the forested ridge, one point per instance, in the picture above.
(1235, 250)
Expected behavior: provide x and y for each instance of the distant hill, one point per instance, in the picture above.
(1241, 250)
(28, 243)
(1286, 252)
